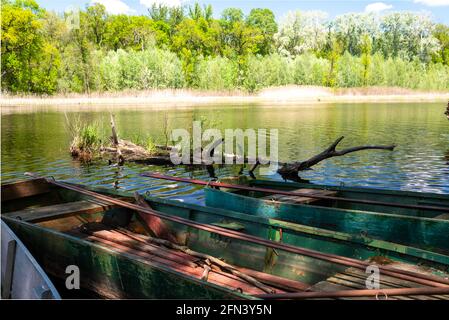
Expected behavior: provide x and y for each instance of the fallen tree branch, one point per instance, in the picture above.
(290, 169)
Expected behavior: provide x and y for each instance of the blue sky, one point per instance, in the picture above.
(438, 8)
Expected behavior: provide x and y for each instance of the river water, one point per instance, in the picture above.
(37, 140)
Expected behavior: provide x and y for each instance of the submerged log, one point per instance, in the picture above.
(290, 170)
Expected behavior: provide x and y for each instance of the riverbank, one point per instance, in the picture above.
(183, 97)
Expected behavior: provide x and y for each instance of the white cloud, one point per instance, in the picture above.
(433, 3)
(377, 7)
(168, 3)
(114, 6)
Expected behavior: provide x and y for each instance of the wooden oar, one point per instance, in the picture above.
(290, 193)
(427, 280)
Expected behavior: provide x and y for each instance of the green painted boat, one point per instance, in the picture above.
(47, 218)
(358, 246)
(428, 234)
(380, 195)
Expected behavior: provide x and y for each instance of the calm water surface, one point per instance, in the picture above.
(37, 140)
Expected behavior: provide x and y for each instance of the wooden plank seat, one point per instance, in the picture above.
(301, 199)
(59, 210)
(353, 278)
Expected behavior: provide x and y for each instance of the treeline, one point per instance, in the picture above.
(186, 47)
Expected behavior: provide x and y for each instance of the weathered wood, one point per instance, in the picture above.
(115, 142)
(366, 193)
(424, 233)
(300, 199)
(118, 273)
(154, 225)
(24, 189)
(352, 279)
(350, 245)
(232, 269)
(255, 241)
(189, 260)
(58, 211)
(289, 170)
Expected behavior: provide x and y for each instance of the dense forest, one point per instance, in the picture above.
(187, 47)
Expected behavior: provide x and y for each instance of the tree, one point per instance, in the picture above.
(29, 63)
(196, 12)
(264, 20)
(334, 51)
(352, 28)
(366, 57)
(300, 32)
(96, 17)
(441, 33)
(194, 39)
(408, 35)
(232, 15)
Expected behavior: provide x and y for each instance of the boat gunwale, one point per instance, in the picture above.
(297, 227)
(128, 256)
(423, 279)
(373, 213)
(364, 189)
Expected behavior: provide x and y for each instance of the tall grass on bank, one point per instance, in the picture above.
(86, 138)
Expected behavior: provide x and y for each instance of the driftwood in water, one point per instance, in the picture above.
(131, 152)
(290, 170)
(115, 142)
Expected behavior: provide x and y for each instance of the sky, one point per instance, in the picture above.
(438, 8)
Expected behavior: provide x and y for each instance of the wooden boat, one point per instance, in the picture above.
(65, 225)
(382, 196)
(411, 232)
(22, 277)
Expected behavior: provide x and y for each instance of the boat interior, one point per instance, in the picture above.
(43, 205)
(381, 196)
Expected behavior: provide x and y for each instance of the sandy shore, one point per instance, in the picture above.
(186, 98)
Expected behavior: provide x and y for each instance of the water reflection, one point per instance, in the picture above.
(38, 141)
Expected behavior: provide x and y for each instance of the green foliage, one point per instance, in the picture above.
(179, 47)
(29, 62)
(86, 137)
(150, 69)
(264, 20)
(265, 71)
(218, 73)
(441, 33)
(310, 70)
